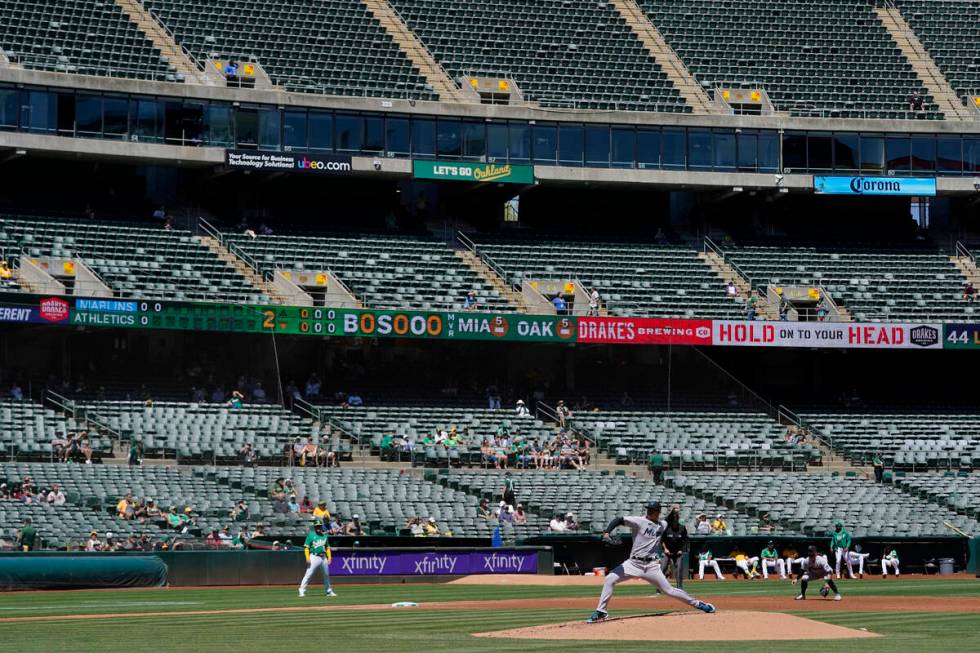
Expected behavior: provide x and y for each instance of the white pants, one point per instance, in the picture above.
(316, 561)
(842, 554)
(858, 558)
(709, 563)
(776, 564)
(790, 562)
(745, 565)
(885, 563)
(648, 571)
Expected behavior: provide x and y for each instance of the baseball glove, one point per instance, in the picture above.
(824, 591)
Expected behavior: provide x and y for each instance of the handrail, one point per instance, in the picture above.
(302, 406)
(335, 423)
(962, 251)
(60, 402)
(421, 46)
(173, 37)
(771, 410)
(210, 230)
(710, 245)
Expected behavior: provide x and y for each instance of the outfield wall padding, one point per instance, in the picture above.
(30, 572)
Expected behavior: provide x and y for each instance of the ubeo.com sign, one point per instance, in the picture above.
(324, 164)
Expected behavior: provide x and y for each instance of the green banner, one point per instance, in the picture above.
(298, 320)
(475, 172)
(961, 336)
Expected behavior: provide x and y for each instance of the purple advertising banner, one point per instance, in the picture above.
(432, 563)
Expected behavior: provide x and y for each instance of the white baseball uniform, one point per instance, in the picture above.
(816, 569)
(889, 560)
(858, 559)
(708, 562)
(775, 562)
(644, 562)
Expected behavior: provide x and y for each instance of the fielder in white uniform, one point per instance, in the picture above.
(707, 559)
(816, 567)
(644, 562)
(890, 559)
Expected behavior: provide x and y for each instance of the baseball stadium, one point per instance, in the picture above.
(516, 325)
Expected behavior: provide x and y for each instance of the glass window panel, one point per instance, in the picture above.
(724, 150)
(350, 132)
(748, 151)
(474, 140)
(423, 136)
(769, 152)
(699, 150)
(794, 152)
(449, 141)
(88, 114)
(146, 119)
(545, 143)
(597, 145)
(10, 107)
(374, 134)
(872, 153)
(247, 122)
(520, 142)
(397, 138)
(497, 138)
(623, 145)
(115, 117)
(218, 125)
(846, 151)
(321, 131)
(674, 149)
(39, 115)
(293, 130)
(66, 114)
(923, 153)
(897, 153)
(192, 120)
(820, 151)
(971, 154)
(949, 154)
(570, 145)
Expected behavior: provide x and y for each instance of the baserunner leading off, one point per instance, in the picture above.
(644, 562)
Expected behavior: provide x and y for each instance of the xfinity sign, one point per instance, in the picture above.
(914, 186)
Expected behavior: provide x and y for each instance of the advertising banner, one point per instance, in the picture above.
(319, 163)
(845, 335)
(455, 325)
(916, 186)
(431, 563)
(961, 336)
(644, 331)
(475, 172)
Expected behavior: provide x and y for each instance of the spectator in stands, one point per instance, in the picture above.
(387, 447)
(56, 497)
(240, 511)
(750, 305)
(258, 532)
(197, 395)
(125, 508)
(414, 526)
(354, 400)
(563, 414)
(656, 466)
(279, 505)
(470, 302)
(353, 527)
(212, 541)
(160, 214)
(916, 101)
(594, 303)
(584, 452)
(248, 455)
(313, 385)
(236, 400)
(703, 526)
(258, 393)
(521, 409)
(879, 466)
(561, 307)
(483, 511)
(969, 292)
(493, 397)
(6, 274)
(719, 526)
(93, 544)
(16, 393)
(224, 536)
(334, 527)
(4, 491)
(180, 522)
(766, 524)
(558, 524)
(293, 505)
(320, 512)
(489, 458)
(27, 536)
(730, 289)
(660, 237)
(431, 528)
(570, 523)
(520, 517)
(218, 395)
(151, 511)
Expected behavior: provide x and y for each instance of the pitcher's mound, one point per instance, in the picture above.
(729, 625)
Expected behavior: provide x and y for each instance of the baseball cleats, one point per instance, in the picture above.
(838, 597)
(330, 592)
(704, 607)
(800, 598)
(302, 593)
(596, 617)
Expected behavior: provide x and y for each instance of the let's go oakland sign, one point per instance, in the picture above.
(475, 172)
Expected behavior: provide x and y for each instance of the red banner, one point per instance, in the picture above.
(644, 331)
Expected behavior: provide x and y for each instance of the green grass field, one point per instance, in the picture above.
(397, 630)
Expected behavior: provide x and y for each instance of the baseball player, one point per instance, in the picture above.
(317, 550)
(644, 562)
(816, 567)
(858, 558)
(705, 559)
(840, 544)
(890, 559)
(743, 563)
(770, 558)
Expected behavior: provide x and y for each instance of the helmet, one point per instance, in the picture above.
(318, 526)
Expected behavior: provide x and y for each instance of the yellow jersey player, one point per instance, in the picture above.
(317, 550)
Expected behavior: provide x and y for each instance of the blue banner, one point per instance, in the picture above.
(916, 186)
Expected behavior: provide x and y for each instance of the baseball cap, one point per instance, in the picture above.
(356, 517)
(432, 519)
(108, 535)
(653, 505)
(811, 550)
